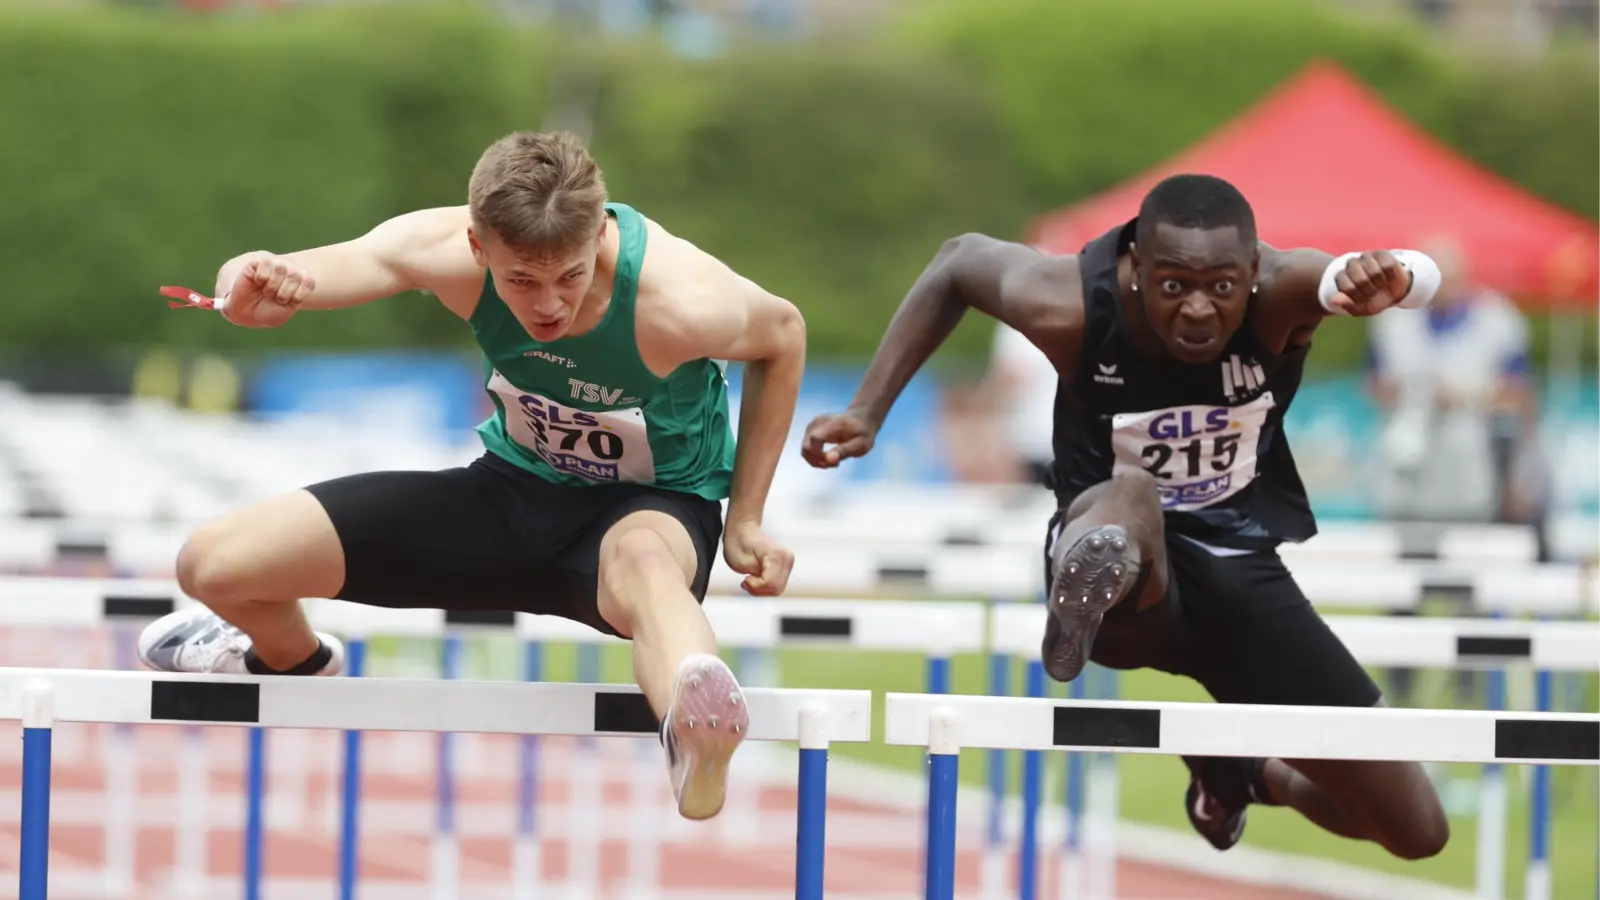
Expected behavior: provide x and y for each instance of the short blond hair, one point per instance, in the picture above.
(539, 192)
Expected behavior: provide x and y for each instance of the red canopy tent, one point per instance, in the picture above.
(1327, 164)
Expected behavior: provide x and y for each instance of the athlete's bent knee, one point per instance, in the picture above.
(635, 557)
(284, 548)
(204, 571)
(1136, 480)
(639, 552)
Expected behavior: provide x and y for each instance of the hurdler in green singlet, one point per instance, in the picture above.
(585, 410)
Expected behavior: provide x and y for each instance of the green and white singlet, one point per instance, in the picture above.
(585, 410)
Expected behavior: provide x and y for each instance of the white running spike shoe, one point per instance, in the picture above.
(706, 722)
(197, 640)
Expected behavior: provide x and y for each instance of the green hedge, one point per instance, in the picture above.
(144, 149)
(1092, 91)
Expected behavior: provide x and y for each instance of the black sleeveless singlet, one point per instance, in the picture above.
(1211, 434)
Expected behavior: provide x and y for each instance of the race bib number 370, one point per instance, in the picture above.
(607, 446)
(1199, 455)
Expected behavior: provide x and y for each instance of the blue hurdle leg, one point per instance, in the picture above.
(38, 721)
(1072, 845)
(1537, 884)
(994, 860)
(938, 674)
(811, 821)
(1490, 859)
(350, 819)
(1032, 775)
(254, 829)
(446, 859)
(527, 871)
(944, 760)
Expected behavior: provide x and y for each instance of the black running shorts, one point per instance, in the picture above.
(492, 536)
(1240, 626)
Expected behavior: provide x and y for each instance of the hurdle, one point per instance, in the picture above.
(938, 629)
(947, 724)
(935, 629)
(40, 698)
(1458, 644)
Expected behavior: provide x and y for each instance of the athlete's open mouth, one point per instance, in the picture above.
(1195, 341)
(538, 328)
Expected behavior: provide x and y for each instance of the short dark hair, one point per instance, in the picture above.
(1196, 201)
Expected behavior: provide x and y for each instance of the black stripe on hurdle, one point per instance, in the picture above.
(816, 626)
(1512, 647)
(624, 712)
(202, 701)
(1454, 591)
(114, 607)
(80, 549)
(498, 618)
(1536, 739)
(917, 574)
(1087, 726)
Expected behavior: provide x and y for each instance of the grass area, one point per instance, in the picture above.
(1151, 788)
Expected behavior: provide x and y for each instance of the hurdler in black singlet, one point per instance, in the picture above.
(1211, 434)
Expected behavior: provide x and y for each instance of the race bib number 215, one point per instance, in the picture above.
(1199, 454)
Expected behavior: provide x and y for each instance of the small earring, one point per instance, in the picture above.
(1136, 287)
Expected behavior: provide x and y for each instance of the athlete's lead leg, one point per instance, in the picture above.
(647, 563)
(1109, 534)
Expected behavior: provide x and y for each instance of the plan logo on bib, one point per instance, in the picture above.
(1242, 378)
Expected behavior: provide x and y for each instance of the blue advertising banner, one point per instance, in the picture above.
(1333, 425)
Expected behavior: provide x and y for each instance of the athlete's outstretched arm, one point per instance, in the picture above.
(1035, 294)
(413, 251)
(1304, 286)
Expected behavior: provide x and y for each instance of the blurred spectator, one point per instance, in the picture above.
(1460, 420)
(1459, 440)
(1022, 383)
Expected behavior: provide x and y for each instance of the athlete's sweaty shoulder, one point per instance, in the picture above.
(1039, 295)
(692, 305)
(430, 251)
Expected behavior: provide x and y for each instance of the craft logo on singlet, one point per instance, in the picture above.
(551, 358)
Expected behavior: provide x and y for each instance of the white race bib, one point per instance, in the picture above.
(608, 446)
(1199, 454)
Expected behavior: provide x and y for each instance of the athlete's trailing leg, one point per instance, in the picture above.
(249, 569)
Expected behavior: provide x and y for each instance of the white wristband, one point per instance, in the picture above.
(1425, 279)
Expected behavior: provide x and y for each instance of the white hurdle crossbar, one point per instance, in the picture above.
(42, 697)
(936, 629)
(1448, 643)
(946, 724)
(1563, 646)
